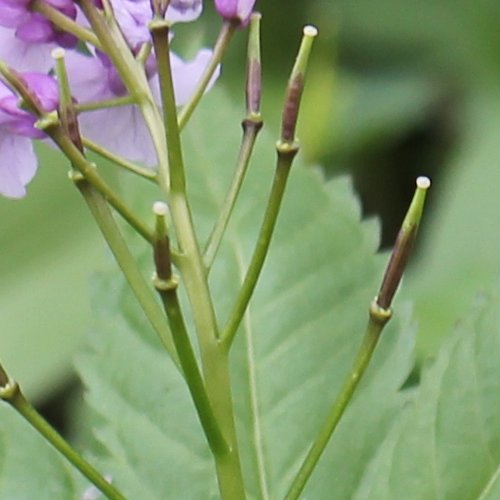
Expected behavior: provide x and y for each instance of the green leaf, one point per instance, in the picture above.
(448, 37)
(447, 444)
(460, 249)
(29, 467)
(48, 247)
(377, 110)
(291, 355)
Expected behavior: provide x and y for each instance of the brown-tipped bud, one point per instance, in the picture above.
(296, 86)
(4, 378)
(161, 244)
(291, 108)
(66, 110)
(159, 7)
(254, 69)
(402, 247)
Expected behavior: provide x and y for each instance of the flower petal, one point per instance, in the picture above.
(18, 164)
(24, 56)
(184, 11)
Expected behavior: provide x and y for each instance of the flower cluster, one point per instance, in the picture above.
(31, 29)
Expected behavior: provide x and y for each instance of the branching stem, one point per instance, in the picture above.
(286, 153)
(213, 357)
(146, 173)
(251, 129)
(223, 40)
(127, 264)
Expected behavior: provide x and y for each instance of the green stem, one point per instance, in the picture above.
(166, 285)
(251, 129)
(377, 320)
(65, 23)
(214, 359)
(144, 53)
(106, 104)
(168, 294)
(191, 265)
(118, 160)
(218, 384)
(160, 33)
(226, 33)
(90, 173)
(286, 154)
(11, 393)
(127, 264)
(67, 137)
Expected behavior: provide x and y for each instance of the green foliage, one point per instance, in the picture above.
(446, 443)
(461, 249)
(291, 354)
(438, 440)
(438, 61)
(49, 246)
(441, 439)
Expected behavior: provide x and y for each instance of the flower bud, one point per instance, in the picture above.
(254, 71)
(235, 10)
(295, 86)
(402, 247)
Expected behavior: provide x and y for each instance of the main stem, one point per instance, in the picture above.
(214, 358)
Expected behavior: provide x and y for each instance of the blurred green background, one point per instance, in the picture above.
(396, 89)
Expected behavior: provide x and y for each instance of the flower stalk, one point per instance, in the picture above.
(223, 40)
(160, 30)
(66, 110)
(286, 148)
(11, 393)
(126, 262)
(84, 177)
(379, 314)
(213, 358)
(252, 124)
(166, 286)
(145, 173)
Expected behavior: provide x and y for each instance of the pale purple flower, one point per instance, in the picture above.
(133, 16)
(231, 10)
(183, 11)
(27, 38)
(122, 129)
(17, 159)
